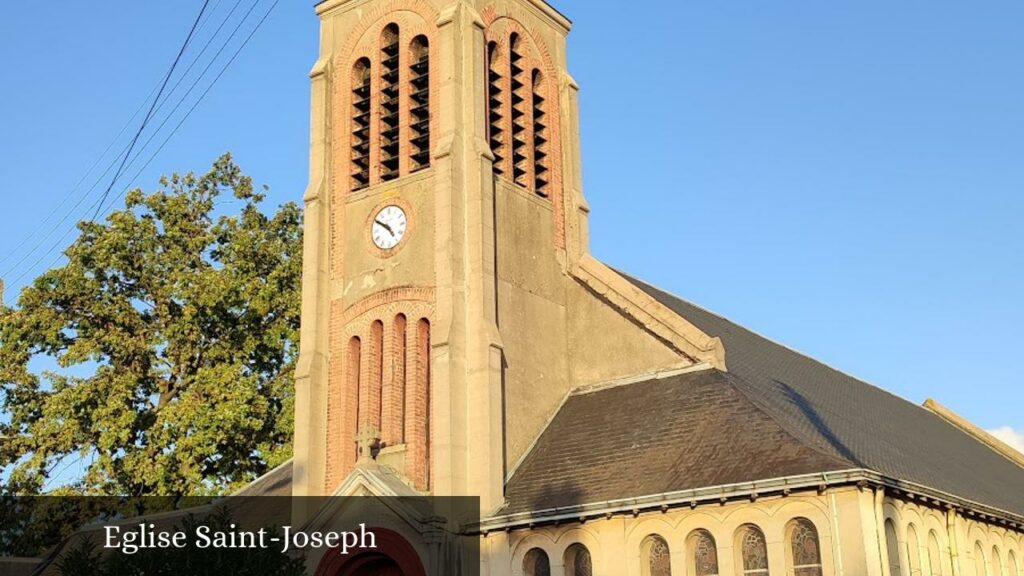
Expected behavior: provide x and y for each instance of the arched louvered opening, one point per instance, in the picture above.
(804, 548)
(390, 104)
(540, 136)
(361, 82)
(536, 563)
(495, 102)
(520, 149)
(751, 551)
(419, 104)
(703, 553)
(655, 557)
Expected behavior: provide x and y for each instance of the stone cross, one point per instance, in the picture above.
(367, 440)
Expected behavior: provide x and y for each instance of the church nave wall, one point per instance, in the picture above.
(786, 535)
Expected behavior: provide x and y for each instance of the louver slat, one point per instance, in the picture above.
(361, 127)
(419, 105)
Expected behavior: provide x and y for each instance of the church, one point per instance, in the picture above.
(459, 339)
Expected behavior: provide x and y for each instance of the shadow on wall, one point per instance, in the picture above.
(815, 420)
(562, 494)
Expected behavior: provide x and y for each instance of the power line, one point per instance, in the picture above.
(201, 97)
(79, 183)
(202, 74)
(102, 208)
(123, 154)
(164, 143)
(199, 55)
(149, 115)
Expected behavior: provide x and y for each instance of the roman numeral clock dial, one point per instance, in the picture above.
(389, 227)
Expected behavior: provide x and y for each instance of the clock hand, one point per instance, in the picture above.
(386, 227)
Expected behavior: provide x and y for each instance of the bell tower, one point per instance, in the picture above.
(425, 113)
(449, 302)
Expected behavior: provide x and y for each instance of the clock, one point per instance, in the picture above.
(389, 227)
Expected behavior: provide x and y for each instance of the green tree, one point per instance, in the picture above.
(174, 331)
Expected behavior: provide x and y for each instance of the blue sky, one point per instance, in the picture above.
(844, 177)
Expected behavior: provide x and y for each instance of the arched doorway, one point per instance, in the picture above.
(394, 556)
(371, 565)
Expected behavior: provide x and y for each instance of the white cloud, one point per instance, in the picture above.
(1013, 438)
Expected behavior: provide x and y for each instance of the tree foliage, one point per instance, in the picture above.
(172, 334)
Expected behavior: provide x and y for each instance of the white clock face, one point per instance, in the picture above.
(389, 227)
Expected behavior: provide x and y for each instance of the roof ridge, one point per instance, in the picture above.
(770, 414)
(771, 341)
(974, 431)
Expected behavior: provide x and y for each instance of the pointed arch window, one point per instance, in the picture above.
(361, 87)
(419, 104)
(1011, 563)
(997, 562)
(704, 553)
(536, 563)
(752, 549)
(804, 548)
(390, 103)
(655, 557)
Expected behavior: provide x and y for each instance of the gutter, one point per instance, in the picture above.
(720, 495)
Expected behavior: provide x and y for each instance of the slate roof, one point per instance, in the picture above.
(775, 413)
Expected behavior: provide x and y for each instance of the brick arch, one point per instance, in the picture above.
(512, 19)
(414, 18)
(387, 386)
(419, 19)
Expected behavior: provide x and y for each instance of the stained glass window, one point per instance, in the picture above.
(753, 551)
(805, 548)
(581, 564)
(659, 559)
(536, 563)
(705, 553)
